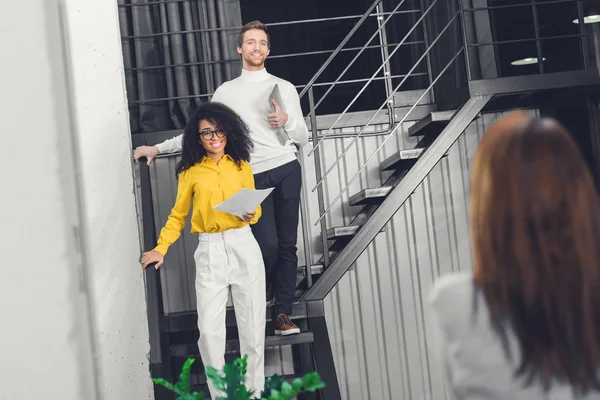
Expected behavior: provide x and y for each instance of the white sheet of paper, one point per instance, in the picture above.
(245, 200)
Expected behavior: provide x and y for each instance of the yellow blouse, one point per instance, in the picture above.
(209, 184)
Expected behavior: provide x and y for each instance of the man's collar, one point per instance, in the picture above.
(255, 76)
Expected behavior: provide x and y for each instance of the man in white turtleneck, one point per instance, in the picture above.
(273, 164)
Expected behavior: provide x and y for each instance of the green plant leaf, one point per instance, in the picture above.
(198, 396)
(243, 364)
(164, 383)
(287, 390)
(234, 378)
(217, 379)
(312, 382)
(276, 395)
(182, 387)
(184, 378)
(192, 396)
(243, 393)
(273, 382)
(297, 385)
(231, 381)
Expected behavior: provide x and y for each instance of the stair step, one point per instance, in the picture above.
(370, 196)
(402, 159)
(342, 232)
(314, 269)
(408, 98)
(302, 267)
(233, 345)
(431, 124)
(188, 321)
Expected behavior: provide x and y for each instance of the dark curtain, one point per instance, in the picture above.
(176, 51)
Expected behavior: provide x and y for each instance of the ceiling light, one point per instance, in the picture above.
(526, 61)
(590, 19)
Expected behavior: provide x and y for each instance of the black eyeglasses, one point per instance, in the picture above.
(207, 134)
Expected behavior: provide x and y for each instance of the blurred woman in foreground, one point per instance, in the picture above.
(525, 324)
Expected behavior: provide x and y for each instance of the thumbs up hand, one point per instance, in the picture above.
(277, 118)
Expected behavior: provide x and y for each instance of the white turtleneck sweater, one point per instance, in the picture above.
(248, 95)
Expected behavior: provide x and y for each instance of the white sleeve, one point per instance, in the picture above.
(172, 145)
(295, 126)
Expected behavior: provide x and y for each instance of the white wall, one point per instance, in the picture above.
(46, 344)
(104, 149)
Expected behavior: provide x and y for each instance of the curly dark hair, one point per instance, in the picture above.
(239, 145)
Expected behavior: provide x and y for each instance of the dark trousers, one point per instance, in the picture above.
(277, 231)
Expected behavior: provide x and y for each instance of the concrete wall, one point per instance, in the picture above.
(46, 344)
(112, 238)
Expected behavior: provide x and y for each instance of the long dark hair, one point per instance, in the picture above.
(239, 145)
(535, 228)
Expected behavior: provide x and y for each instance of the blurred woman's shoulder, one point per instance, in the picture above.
(454, 297)
(452, 287)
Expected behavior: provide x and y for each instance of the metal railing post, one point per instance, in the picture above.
(584, 39)
(428, 59)
(304, 218)
(387, 71)
(317, 158)
(461, 10)
(538, 42)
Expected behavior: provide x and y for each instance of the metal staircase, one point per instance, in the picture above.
(437, 127)
(430, 126)
(408, 172)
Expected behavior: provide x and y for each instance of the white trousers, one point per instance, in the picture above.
(224, 261)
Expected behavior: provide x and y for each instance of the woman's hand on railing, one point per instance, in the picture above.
(149, 152)
(150, 257)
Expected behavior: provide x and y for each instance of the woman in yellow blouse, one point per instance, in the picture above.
(214, 166)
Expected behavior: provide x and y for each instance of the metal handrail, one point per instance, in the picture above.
(373, 76)
(339, 48)
(517, 5)
(198, 96)
(234, 60)
(320, 195)
(540, 39)
(359, 134)
(377, 78)
(237, 28)
(152, 279)
(356, 57)
(332, 203)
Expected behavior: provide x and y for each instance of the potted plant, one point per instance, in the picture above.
(231, 382)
